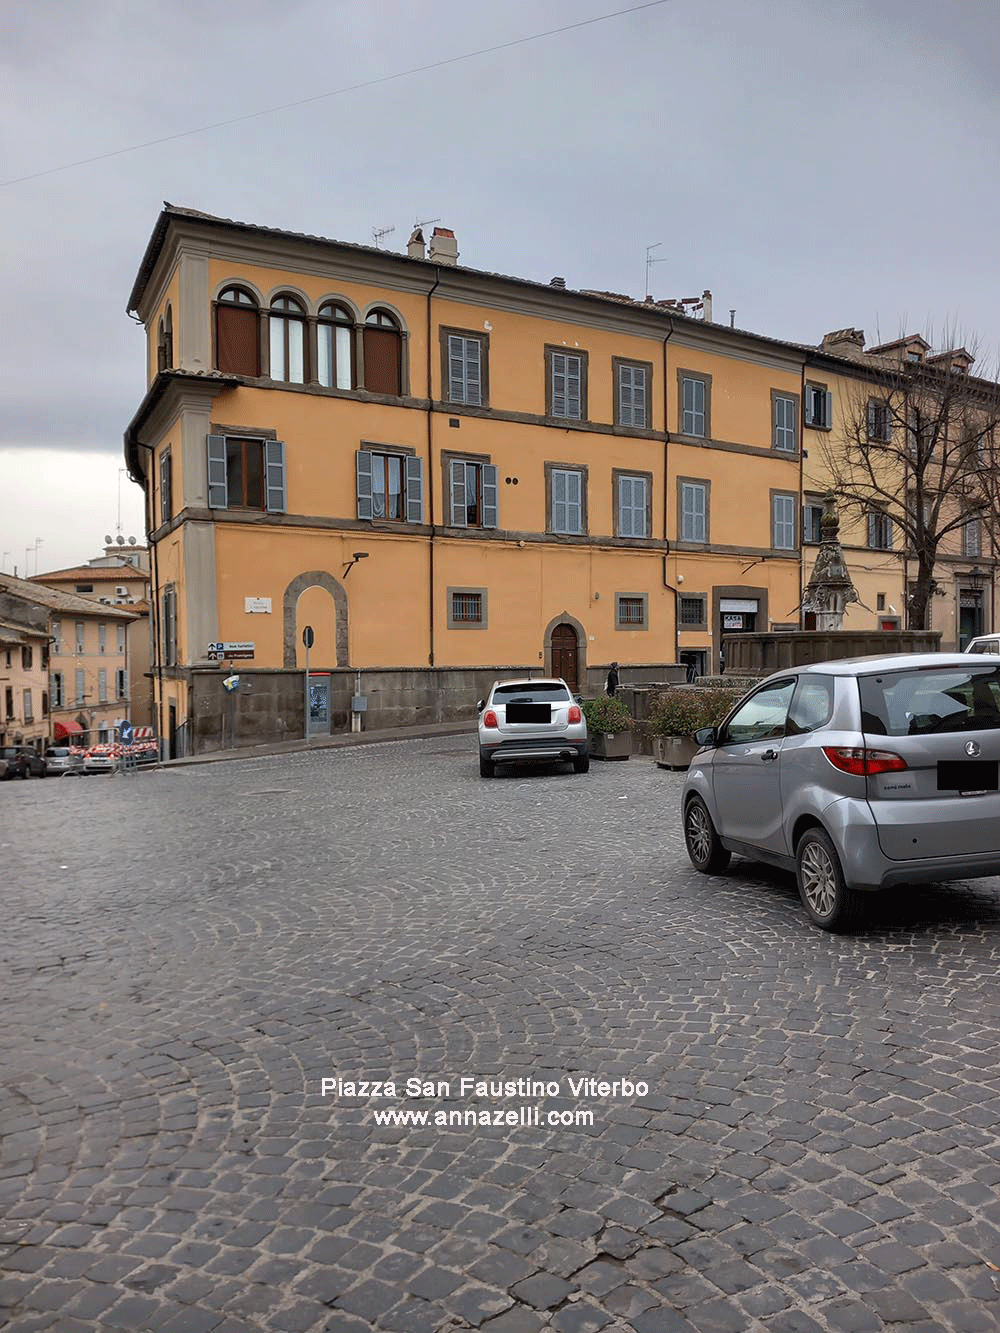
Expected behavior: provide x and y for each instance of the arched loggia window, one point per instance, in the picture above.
(383, 345)
(288, 340)
(237, 333)
(335, 347)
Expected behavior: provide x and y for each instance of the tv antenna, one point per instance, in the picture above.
(379, 233)
(426, 223)
(650, 261)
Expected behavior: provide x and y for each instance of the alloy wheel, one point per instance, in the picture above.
(819, 879)
(698, 832)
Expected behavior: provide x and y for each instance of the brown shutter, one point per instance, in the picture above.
(383, 361)
(237, 340)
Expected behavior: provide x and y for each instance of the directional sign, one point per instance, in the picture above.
(126, 734)
(227, 648)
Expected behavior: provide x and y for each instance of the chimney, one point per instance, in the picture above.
(444, 247)
(415, 245)
(557, 282)
(844, 342)
(706, 303)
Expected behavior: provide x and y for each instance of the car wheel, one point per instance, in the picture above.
(582, 765)
(829, 903)
(485, 766)
(703, 846)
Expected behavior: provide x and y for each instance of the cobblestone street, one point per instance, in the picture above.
(187, 953)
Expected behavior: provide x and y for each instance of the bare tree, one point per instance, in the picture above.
(918, 446)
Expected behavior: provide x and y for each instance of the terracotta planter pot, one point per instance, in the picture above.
(616, 746)
(674, 751)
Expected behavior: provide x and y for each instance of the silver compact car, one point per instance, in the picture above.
(857, 775)
(531, 721)
(63, 761)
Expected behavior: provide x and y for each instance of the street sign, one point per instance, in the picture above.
(308, 638)
(126, 734)
(224, 652)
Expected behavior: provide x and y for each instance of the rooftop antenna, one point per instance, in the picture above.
(379, 233)
(650, 261)
(426, 223)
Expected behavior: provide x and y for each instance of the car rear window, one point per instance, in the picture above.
(531, 692)
(931, 701)
(56, 754)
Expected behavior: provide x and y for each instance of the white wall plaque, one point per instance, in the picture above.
(257, 604)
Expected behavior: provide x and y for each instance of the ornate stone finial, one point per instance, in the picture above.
(830, 590)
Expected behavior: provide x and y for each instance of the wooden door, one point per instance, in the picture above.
(565, 656)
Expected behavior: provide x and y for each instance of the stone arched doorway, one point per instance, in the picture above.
(565, 651)
(314, 578)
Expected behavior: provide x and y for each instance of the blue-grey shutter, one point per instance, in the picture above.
(573, 394)
(625, 395)
(574, 505)
(274, 476)
(559, 513)
(638, 397)
(559, 385)
(490, 486)
(872, 420)
(639, 507)
(827, 408)
(218, 480)
(364, 461)
(414, 490)
(624, 506)
(473, 377)
(459, 512)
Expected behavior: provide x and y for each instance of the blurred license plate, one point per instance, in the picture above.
(967, 775)
(529, 712)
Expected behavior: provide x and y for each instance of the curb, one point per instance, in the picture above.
(344, 741)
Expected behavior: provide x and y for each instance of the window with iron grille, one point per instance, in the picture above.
(692, 611)
(566, 390)
(466, 607)
(631, 611)
(631, 395)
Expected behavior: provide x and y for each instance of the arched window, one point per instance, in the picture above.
(237, 335)
(165, 342)
(383, 345)
(335, 347)
(288, 340)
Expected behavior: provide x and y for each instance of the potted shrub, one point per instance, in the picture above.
(609, 727)
(678, 713)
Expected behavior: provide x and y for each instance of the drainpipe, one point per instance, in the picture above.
(430, 463)
(154, 612)
(666, 493)
(802, 478)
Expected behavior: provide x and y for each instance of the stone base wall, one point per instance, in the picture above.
(269, 706)
(760, 654)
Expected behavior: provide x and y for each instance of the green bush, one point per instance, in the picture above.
(681, 712)
(607, 716)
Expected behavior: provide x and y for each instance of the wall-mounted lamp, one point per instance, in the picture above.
(976, 578)
(357, 555)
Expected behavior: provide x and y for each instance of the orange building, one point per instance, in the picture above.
(447, 474)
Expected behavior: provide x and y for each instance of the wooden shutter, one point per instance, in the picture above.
(459, 513)
(490, 486)
(364, 469)
(827, 408)
(218, 477)
(274, 476)
(383, 360)
(166, 497)
(237, 340)
(414, 490)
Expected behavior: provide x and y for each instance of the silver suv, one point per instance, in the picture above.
(531, 721)
(857, 775)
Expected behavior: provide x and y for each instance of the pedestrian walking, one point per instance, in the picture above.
(614, 680)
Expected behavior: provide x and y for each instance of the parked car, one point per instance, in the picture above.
(64, 761)
(985, 643)
(857, 775)
(21, 761)
(531, 721)
(101, 759)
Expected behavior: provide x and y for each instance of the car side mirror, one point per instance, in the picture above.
(707, 736)
(481, 704)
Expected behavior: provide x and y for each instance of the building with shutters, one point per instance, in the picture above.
(85, 660)
(448, 474)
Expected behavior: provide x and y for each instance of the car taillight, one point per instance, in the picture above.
(490, 718)
(861, 761)
(574, 713)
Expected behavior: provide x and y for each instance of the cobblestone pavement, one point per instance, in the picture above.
(186, 954)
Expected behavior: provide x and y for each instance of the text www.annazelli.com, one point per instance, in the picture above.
(472, 1117)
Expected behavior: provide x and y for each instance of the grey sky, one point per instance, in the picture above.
(816, 163)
